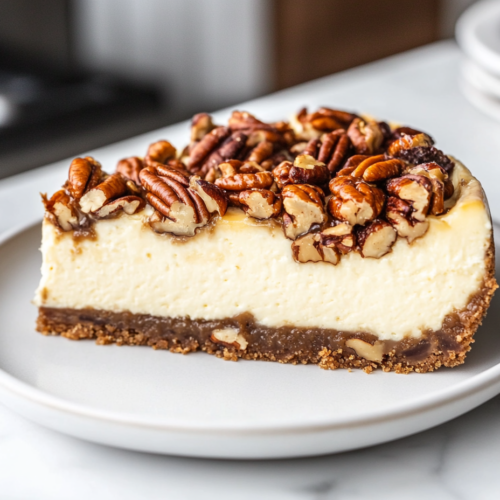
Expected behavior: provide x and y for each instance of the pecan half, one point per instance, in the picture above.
(182, 208)
(442, 187)
(307, 170)
(128, 204)
(262, 151)
(341, 237)
(61, 211)
(303, 205)
(130, 168)
(201, 125)
(113, 187)
(240, 182)
(399, 214)
(229, 149)
(334, 149)
(414, 189)
(281, 174)
(407, 141)
(246, 122)
(213, 196)
(207, 144)
(260, 203)
(376, 239)
(355, 201)
(308, 248)
(84, 174)
(378, 168)
(366, 136)
(160, 151)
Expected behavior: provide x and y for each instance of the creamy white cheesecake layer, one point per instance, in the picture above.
(245, 266)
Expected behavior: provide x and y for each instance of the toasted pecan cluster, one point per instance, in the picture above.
(337, 182)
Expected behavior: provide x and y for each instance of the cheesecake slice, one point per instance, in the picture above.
(331, 239)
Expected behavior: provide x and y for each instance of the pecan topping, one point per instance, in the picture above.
(378, 168)
(366, 136)
(161, 152)
(341, 237)
(354, 201)
(407, 141)
(201, 125)
(84, 175)
(262, 151)
(128, 204)
(442, 187)
(307, 170)
(183, 210)
(308, 248)
(207, 144)
(130, 168)
(113, 187)
(414, 189)
(61, 210)
(334, 149)
(303, 205)
(260, 203)
(213, 196)
(240, 182)
(281, 174)
(399, 214)
(376, 239)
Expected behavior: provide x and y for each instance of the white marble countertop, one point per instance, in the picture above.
(457, 460)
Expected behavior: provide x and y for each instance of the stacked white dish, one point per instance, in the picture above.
(478, 34)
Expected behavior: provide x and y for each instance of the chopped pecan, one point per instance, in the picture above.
(378, 168)
(130, 168)
(303, 205)
(366, 136)
(414, 189)
(84, 175)
(128, 204)
(61, 210)
(307, 170)
(355, 201)
(201, 125)
(241, 182)
(229, 337)
(260, 203)
(214, 197)
(205, 147)
(407, 141)
(399, 214)
(376, 239)
(340, 236)
(113, 187)
(308, 248)
(160, 151)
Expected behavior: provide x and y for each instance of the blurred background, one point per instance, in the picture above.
(78, 74)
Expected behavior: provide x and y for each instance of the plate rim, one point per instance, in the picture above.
(476, 384)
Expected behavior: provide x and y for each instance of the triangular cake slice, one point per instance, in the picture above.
(331, 239)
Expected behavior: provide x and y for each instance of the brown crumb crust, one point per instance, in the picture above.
(326, 348)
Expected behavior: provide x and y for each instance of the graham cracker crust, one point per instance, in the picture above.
(324, 347)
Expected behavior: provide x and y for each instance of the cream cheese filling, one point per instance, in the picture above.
(241, 265)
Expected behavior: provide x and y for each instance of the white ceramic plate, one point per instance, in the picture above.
(198, 405)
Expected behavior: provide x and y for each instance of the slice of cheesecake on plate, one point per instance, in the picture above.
(331, 239)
